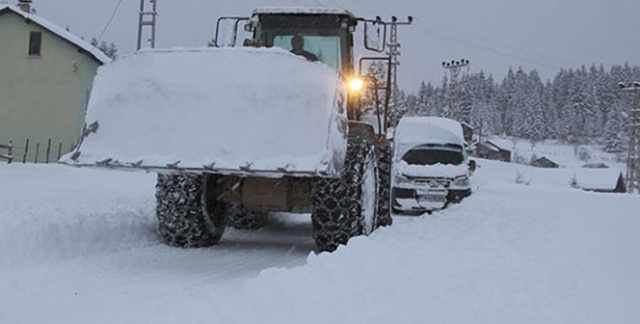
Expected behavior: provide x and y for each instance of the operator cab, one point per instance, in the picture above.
(327, 34)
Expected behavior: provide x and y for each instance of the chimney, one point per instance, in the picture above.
(25, 5)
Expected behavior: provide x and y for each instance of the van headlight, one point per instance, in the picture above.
(461, 181)
(401, 178)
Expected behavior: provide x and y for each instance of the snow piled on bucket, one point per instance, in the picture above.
(237, 108)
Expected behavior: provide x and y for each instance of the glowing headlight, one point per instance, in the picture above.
(356, 84)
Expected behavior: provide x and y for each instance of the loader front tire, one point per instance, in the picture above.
(347, 206)
(240, 218)
(384, 190)
(186, 217)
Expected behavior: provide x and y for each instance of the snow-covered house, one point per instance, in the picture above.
(492, 151)
(600, 180)
(46, 74)
(544, 162)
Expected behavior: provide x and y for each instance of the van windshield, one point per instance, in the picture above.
(434, 154)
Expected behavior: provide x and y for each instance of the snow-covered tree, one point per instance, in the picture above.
(110, 49)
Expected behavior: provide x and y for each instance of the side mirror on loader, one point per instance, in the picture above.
(227, 31)
(375, 35)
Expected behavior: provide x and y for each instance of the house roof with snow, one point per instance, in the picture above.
(489, 144)
(605, 180)
(57, 30)
(502, 143)
(544, 162)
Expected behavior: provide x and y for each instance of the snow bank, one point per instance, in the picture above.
(507, 254)
(50, 213)
(564, 154)
(236, 108)
(510, 253)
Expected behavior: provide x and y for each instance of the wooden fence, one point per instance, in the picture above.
(48, 151)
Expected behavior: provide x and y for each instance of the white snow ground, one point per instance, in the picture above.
(78, 246)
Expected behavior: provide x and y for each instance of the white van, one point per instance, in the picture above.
(430, 165)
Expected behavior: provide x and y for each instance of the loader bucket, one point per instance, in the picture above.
(215, 110)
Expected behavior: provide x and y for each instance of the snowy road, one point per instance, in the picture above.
(84, 243)
(78, 246)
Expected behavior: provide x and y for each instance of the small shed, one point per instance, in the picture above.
(598, 165)
(544, 162)
(601, 180)
(492, 151)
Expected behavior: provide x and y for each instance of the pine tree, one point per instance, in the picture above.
(110, 50)
(612, 136)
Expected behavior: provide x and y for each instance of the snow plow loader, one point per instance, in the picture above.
(237, 132)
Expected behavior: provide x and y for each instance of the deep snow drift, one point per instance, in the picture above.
(77, 246)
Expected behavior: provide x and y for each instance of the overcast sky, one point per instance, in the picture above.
(493, 34)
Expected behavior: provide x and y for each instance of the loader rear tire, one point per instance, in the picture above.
(347, 206)
(186, 218)
(240, 218)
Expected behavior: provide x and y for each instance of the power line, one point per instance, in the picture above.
(486, 48)
(431, 27)
(113, 15)
(495, 42)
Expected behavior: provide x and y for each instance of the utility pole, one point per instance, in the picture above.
(633, 156)
(147, 19)
(394, 53)
(454, 68)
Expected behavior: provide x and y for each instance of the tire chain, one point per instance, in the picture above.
(240, 218)
(337, 208)
(384, 189)
(180, 209)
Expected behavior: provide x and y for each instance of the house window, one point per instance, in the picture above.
(35, 43)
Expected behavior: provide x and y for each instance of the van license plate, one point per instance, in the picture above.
(432, 197)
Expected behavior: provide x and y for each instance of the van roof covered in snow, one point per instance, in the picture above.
(429, 130)
(414, 131)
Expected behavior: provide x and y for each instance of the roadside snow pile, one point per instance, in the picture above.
(508, 254)
(236, 108)
(67, 214)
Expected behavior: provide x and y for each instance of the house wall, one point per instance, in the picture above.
(41, 97)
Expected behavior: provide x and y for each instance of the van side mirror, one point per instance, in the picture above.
(472, 166)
